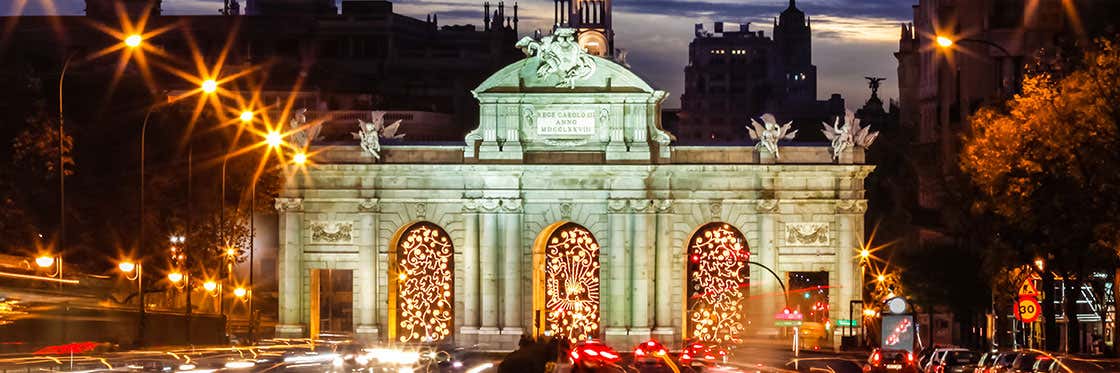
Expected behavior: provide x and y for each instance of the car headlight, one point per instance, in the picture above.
(187, 367)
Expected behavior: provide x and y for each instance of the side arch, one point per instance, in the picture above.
(717, 276)
(566, 282)
(421, 284)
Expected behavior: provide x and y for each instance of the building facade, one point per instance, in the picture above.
(735, 74)
(568, 211)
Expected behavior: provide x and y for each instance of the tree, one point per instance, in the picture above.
(1049, 165)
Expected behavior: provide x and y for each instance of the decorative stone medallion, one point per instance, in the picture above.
(807, 234)
(332, 232)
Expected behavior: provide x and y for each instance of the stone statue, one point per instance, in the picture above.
(768, 133)
(560, 56)
(302, 133)
(371, 133)
(873, 82)
(842, 136)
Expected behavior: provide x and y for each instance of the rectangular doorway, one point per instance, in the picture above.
(332, 302)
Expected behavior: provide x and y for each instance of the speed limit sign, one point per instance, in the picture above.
(1027, 310)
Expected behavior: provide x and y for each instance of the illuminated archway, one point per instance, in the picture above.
(717, 279)
(566, 282)
(421, 284)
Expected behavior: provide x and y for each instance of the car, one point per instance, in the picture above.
(651, 353)
(1023, 363)
(891, 361)
(1002, 363)
(986, 361)
(1046, 364)
(703, 354)
(956, 361)
(594, 356)
(936, 357)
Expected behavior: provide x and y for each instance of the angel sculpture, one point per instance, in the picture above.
(301, 136)
(843, 137)
(768, 133)
(371, 133)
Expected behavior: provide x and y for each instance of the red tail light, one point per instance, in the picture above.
(875, 358)
(639, 352)
(910, 357)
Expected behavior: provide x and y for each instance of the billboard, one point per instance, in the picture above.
(898, 332)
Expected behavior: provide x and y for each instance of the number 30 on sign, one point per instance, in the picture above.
(1027, 310)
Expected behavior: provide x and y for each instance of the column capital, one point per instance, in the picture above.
(288, 204)
(767, 205)
(663, 206)
(369, 205)
(512, 205)
(851, 206)
(641, 205)
(616, 206)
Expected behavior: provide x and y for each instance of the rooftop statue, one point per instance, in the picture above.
(302, 134)
(843, 137)
(768, 133)
(371, 133)
(560, 56)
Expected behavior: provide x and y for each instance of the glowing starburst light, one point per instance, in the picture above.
(133, 41)
(718, 257)
(209, 86)
(424, 284)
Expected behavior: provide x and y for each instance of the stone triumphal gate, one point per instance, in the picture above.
(567, 211)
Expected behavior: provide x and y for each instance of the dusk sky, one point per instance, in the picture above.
(851, 38)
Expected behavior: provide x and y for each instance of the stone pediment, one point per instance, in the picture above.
(562, 99)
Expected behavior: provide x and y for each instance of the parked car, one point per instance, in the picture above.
(936, 359)
(1003, 362)
(891, 361)
(1023, 363)
(1046, 364)
(956, 361)
(987, 360)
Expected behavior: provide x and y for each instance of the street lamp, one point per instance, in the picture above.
(175, 277)
(274, 139)
(1040, 264)
(300, 158)
(209, 86)
(133, 41)
(129, 267)
(246, 116)
(944, 42)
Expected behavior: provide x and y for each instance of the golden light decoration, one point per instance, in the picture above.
(571, 280)
(718, 274)
(240, 292)
(175, 277)
(424, 284)
(210, 286)
(134, 40)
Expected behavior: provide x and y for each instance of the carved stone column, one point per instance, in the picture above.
(850, 234)
(616, 303)
(663, 297)
(367, 328)
(642, 221)
(290, 268)
(488, 266)
(511, 279)
(768, 256)
(470, 295)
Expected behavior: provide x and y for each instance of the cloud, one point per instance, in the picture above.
(852, 38)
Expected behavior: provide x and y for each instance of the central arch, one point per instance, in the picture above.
(566, 282)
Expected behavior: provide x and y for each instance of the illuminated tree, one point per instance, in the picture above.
(1048, 165)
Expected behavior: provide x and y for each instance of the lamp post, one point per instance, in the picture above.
(128, 267)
